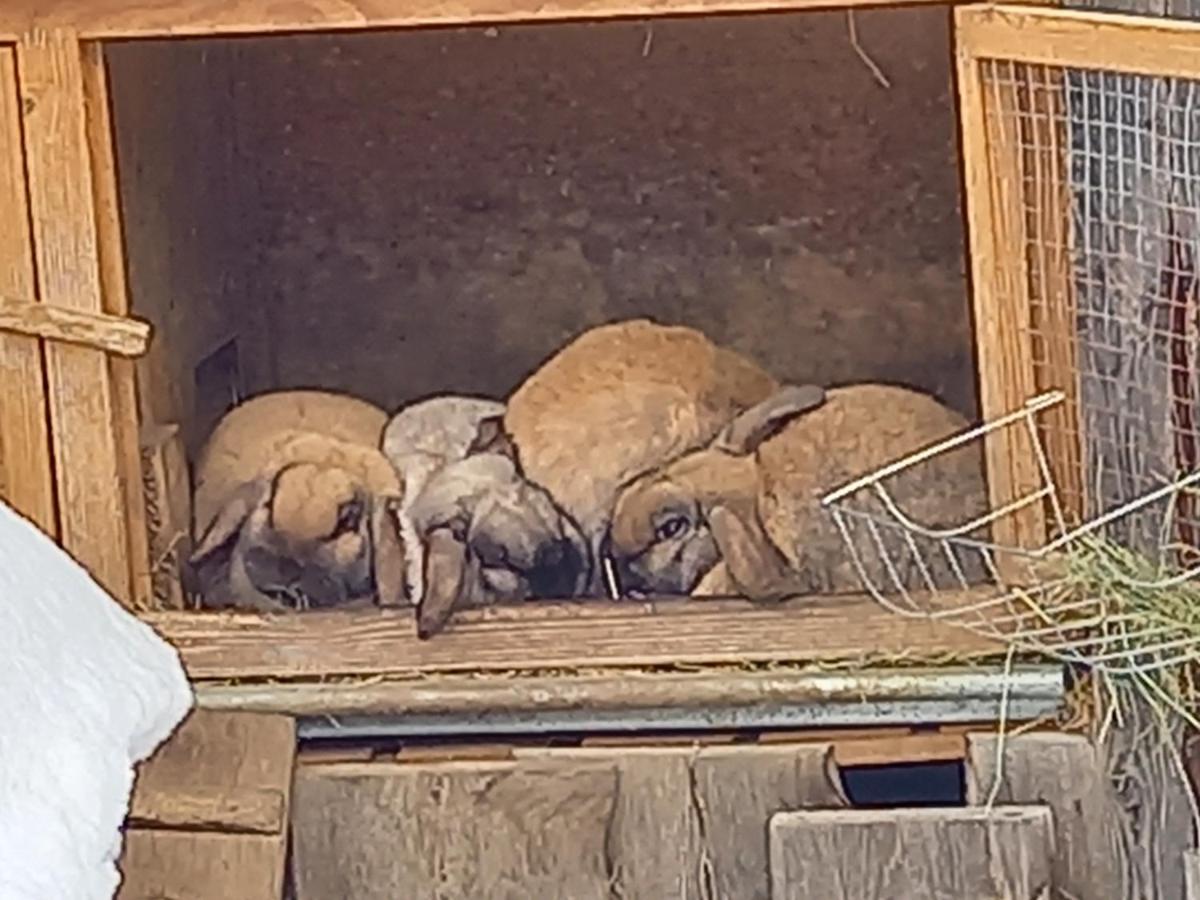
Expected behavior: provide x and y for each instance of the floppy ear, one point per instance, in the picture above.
(445, 579)
(230, 518)
(490, 437)
(388, 553)
(754, 566)
(749, 429)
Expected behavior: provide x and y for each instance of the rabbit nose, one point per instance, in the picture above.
(555, 567)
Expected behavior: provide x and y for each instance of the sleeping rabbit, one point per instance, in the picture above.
(481, 533)
(743, 515)
(295, 506)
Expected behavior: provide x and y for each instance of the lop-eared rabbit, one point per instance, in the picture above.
(295, 506)
(477, 531)
(620, 400)
(743, 516)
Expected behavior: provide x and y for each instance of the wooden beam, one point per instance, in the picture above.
(26, 480)
(111, 19)
(1111, 42)
(555, 635)
(87, 468)
(186, 808)
(112, 334)
(938, 854)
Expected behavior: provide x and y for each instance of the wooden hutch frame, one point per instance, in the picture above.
(69, 456)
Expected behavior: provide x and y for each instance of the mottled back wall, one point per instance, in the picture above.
(441, 209)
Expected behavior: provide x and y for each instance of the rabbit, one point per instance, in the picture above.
(743, 516)
(620, 400)
(295, 506)
(419, 440)
(488, 535)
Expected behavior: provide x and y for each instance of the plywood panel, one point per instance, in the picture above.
(87, 455)
(25, 473)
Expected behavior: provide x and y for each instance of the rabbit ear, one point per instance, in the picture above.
(230, 518)
(755, 567)
(445, 581)
(749, 429)
(388, 554)
(490, 437)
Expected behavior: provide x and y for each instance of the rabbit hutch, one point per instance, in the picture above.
(994, 206)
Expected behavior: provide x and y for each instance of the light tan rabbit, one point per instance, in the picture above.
(743, 515)
(295, 506)
(618, 401)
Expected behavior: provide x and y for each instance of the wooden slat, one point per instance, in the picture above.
(1062, 771)
(151, 18)
(246, 811)
(1088, 40)
(200, 866)
(86, 453)
(26, 481)
(556, 635)
(113, 334)
(115, 301)
(1000, 288)
(934, 854)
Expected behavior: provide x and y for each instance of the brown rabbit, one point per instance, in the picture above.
(743, 515)
(295, 506)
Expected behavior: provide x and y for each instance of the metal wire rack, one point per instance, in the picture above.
(1078, 595)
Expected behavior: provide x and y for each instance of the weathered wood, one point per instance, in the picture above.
(1109, 42)
(84, 435)
(166, 491)
(210, 811)
(555, 635)
(149, 18)
(113, 334)
(997, 239)
(633, 822)
(1063, 772)
(200, 866)
(934, 854)
(26, 481)
(1191, 875)
(497, 830)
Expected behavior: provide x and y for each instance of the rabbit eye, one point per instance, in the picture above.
(348, 516)
(670, 528)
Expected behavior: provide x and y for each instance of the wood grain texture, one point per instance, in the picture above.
(248, 810)
(934, 854)
(167, 499)
(26, 481)
(112, 334)
(1063, 772)
(551, 635)
(200, 866)
(1191, 875)
(1107, 41)
(149, 18)
(87, 467)
(632, 822)
(1000, 290)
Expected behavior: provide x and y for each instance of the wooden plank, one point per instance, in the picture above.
(934, 854)
(633, 822)
(1191, 875)
(200, 866)
(246, 811)
(1063, 772)
(556, 635)
(496, 830)
(167, 513)
(87, 459)
(1112, 42)
(112, 334)
(1000, 289)
(26, 481)
(151, 18)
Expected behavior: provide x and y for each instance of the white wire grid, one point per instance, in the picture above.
(960, 575)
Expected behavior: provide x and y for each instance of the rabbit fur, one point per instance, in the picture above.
(295, 506)
(620, 400)
(743, 516)
(481, 531)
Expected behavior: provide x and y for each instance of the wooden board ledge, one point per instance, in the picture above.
(121, 335)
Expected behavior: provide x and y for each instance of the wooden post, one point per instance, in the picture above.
(934, 854)
(88, 452)
(25, 476)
